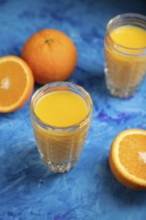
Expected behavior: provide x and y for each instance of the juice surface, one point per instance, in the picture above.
(129, 36)
(61, 109)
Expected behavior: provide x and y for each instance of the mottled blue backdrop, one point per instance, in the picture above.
(89, 191)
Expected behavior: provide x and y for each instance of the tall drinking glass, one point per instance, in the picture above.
(125, 63)
(60, 147)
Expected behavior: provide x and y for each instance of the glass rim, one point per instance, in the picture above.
(125, 15)
(60, 84)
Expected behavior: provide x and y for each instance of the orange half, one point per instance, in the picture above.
(16, 83)
(128, 158)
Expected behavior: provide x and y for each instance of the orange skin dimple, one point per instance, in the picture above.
(51, 55)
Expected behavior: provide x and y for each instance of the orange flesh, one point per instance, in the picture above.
(11, 85)
(132, 154)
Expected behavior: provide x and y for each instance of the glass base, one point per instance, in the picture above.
(60, 167)
(120, 92)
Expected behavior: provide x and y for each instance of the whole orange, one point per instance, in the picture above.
(51, 55)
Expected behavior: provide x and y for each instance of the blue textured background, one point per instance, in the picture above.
(89, 191)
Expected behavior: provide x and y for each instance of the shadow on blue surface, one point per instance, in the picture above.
(118, 192)
(24, 168)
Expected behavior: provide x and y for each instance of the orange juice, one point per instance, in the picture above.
(125, 58)
(61, 109)
(61, 115)
(129, 36)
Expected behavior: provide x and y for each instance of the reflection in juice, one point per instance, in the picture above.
(125, 59)
(66, 116)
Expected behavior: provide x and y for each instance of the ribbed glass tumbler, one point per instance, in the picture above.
(60, 147)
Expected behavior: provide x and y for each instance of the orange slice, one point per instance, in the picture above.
(16, 83)
(128, 158)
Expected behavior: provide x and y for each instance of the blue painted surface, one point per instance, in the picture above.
(89, 191)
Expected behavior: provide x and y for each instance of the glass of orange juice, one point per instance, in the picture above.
(61, 116)
(125, 53)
